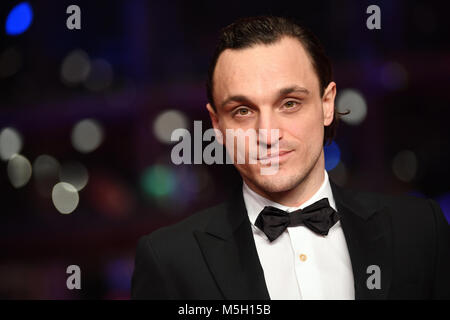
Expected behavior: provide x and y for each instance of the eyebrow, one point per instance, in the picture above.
(281, 92)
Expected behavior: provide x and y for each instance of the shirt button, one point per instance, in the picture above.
(302, 257)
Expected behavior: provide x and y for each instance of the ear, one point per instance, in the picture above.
(213, 116)
(328, 103)
(215, 122)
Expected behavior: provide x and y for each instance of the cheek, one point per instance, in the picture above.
(305, 132)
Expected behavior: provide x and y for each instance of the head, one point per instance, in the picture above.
(271, 73)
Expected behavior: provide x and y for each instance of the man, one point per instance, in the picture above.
(293, 234)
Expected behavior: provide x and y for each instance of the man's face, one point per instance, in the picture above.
(274, 87)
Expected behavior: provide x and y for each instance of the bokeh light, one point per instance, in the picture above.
(158, 181)
(75, 67)
(19, 19)
(332, 155)
(19, 170)
(416, 193)
(65, 197)
(444, 203)
(393, 76)
(45, 172)
(100, 76)
(118, 273)
(110, 196)
(45, 166)
(87, 135)
(10, 143)
(166, 122)
(404, 165)
(74, 173)
(187, 186)
(352, 100)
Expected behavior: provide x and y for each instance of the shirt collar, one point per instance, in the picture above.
(256, 203)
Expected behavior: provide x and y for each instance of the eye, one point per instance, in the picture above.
(242, 112)
(290, 104)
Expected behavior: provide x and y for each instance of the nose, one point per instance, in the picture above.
(268, 129)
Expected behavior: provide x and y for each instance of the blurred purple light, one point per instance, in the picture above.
(444, 202)
(118, 274)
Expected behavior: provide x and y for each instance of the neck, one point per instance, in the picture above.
(302, 192)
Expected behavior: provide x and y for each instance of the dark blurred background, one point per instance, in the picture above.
(86, 117)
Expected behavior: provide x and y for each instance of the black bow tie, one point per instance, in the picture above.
(318, 217)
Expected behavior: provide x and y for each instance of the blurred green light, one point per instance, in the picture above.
(158, 181)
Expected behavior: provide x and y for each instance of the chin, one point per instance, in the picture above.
(280, 182)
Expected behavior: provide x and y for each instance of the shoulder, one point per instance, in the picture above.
(405, 210)
(182, 232)
(402, 202)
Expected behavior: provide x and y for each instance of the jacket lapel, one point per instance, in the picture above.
(367, 228)
(230, 252)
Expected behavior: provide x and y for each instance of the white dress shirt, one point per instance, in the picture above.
(301, 264)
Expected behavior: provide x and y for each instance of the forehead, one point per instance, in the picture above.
(263, 69)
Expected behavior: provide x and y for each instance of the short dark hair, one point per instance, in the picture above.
(247, 32)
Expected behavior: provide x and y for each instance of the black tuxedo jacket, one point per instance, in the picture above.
(212, 254)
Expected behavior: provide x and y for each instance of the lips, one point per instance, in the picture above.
(280, 155)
